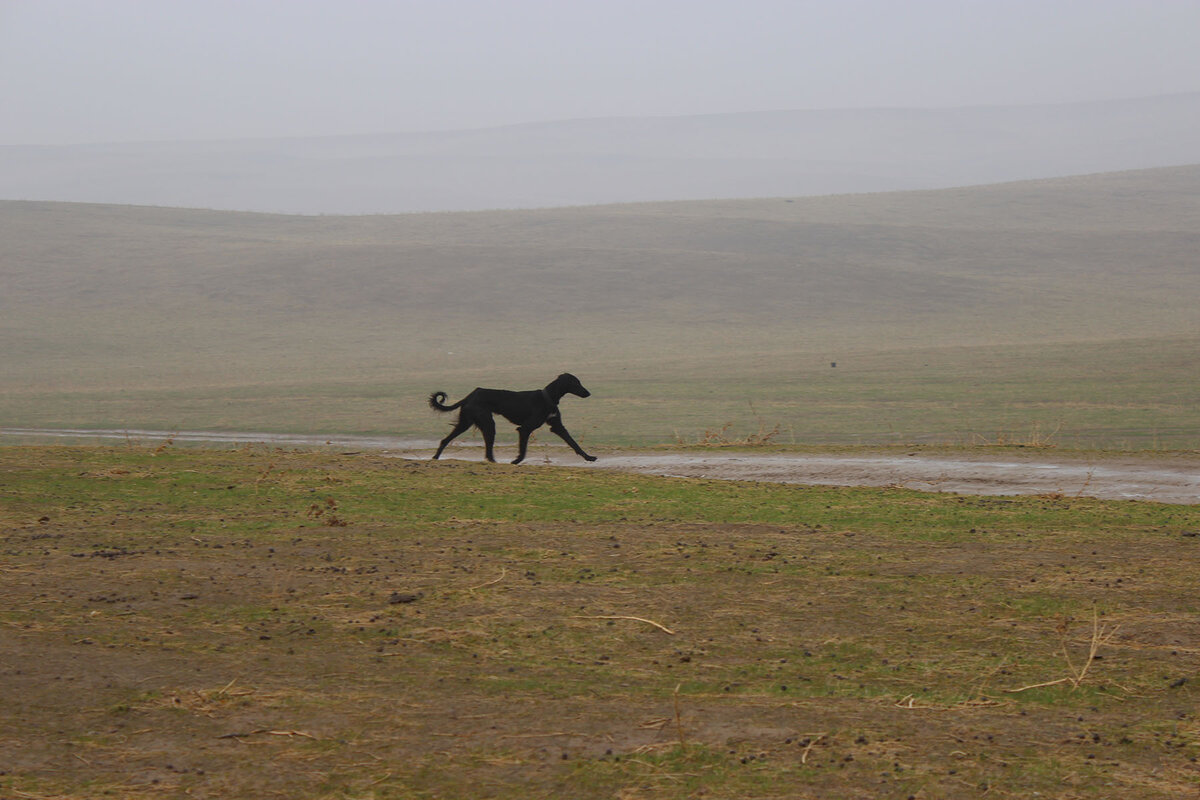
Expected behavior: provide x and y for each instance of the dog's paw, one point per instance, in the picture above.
(589, 458)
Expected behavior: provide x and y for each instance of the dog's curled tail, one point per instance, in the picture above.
(437, 401)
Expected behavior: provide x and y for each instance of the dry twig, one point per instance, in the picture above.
(1036, 686)
(503, 572)
(662, 628)
(812, 742)
(678, 717)
(268, 732)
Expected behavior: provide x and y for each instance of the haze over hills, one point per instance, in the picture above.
(1075, 259)
(679, 312)
(600, 161)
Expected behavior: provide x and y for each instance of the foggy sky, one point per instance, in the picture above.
(74, 71)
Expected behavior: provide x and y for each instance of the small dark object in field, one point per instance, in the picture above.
(527, 410)
(1177, 683)
(398, 598)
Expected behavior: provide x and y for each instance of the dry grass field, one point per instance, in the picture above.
(265, 623)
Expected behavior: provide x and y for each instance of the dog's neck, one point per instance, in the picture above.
(550, 398)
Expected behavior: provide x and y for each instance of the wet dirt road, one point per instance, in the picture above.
(1167, 478)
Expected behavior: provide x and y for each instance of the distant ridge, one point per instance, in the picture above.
(618, 160)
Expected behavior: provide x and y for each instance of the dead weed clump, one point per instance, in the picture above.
(1102, 634)
(1035, 438)
(724, 436)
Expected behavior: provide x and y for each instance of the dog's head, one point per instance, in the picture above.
(571, 385)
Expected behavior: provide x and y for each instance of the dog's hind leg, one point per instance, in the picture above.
(460, 427)
(487, 427)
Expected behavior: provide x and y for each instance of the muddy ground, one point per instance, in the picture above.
(1164, 478)
(269, 623)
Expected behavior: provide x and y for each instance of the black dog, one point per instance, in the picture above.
(527, 410)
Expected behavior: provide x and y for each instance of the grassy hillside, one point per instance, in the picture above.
(1070, 304)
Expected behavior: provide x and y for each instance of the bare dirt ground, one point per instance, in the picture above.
(1166, 478)
(271, 622)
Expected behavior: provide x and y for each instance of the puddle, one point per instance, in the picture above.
(1166, 479)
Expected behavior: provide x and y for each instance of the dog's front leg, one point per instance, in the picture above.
(557, 426)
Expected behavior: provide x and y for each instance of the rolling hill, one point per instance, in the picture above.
(127, 315)
(591, 161)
